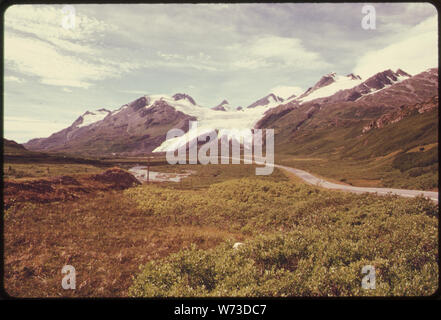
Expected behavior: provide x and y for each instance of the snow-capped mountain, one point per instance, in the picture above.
(380, 120)
(268, 101)
(141, 126)
(349, 87)
(328, 85)
(223, 106)
(287, 92)
(90, 117)
(231, 123)
(382, 93)
(135, 128)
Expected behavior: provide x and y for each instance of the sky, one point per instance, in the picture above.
(55, 71)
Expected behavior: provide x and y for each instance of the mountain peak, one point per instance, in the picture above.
(325, 80)
(400, 72)
(89, 117)
(223, 106)
(98, 111)
(384, 78)
(103, 110)
(183, 96)
(328, 85)
(353, 76)
(351, 87)
(270, 100)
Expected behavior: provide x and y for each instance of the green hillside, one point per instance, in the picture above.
(403, 154)
(11, 147)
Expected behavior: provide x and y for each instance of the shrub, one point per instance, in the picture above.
(406, 161)
(300, 263)
(329, 237)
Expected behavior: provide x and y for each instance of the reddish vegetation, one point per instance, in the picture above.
(116, 178)
(103, 235)
(65, 187)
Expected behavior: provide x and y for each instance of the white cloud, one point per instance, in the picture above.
(45, 22)
(37, 45)
(275, 51)
(37, 58)
(200, 61)
(416, 53)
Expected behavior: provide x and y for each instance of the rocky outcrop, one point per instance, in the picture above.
(324, 81)
(271, 98)
(221, 106)
(183, 96)
(403, 112)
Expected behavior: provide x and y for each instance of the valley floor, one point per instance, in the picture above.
(299, 240)
(311, 179)
(377, 173)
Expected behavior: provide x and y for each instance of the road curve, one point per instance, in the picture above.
(309, 178)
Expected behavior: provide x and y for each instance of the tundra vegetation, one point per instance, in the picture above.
(176, 239)
(301, 241)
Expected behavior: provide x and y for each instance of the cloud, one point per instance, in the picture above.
(37, 45)
(36, 58)
(417, 52)
(276, 52)
(235, 51)
(200, 61)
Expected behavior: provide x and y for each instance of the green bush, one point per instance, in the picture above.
(328, 237)
(407, 161)
(248, 203)
(300, 263)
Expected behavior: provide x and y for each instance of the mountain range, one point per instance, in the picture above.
(335, 101)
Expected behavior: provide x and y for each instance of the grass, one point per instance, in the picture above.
(369, 173)
(103, 236)
(40, 170)
(207, 175)
(393, 156)
(299, 240)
